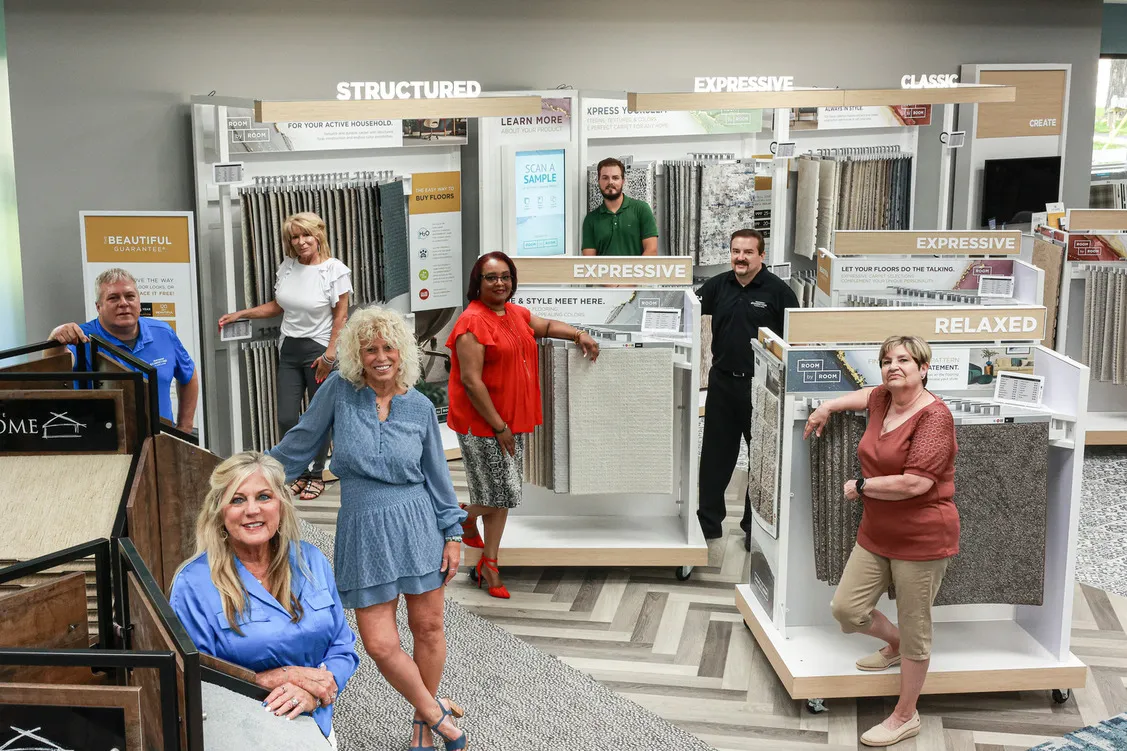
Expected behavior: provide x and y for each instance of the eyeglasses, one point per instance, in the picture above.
(494, 278)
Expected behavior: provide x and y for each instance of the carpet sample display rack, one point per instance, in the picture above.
(1092, 318)
(597, 492)
(995, 639)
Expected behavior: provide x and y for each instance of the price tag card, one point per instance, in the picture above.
(785, 150)
(995, 285)
(236, 330)
(1019, 388)
(781, 270)
(661, 320)
(227, 173)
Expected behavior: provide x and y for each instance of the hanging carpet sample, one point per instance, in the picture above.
(827, 204)
(620, 421)
(396, 247)
(705, 349)
(560, 444)
(727, 203)
(1001, 491)
(806, 207)
(1105, 324)
(833, 461)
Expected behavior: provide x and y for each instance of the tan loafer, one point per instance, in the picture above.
(882, 736)
(877, 662)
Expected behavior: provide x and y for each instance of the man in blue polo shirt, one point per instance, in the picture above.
(120, 323)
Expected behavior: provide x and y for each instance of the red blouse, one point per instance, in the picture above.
(511, 371)
(924, 528)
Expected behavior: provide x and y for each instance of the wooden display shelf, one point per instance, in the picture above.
(1106, 429)
(395, 109)
(967, 657)
(595, 541)
(1096, 220)
(754, 100)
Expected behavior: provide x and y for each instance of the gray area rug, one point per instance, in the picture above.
(516, 697)
(236, 722)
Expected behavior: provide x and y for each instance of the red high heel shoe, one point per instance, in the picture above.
(499, 592)
(471, 538)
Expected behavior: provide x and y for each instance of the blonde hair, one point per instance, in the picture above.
(918, 349)
(369, 324)
(212, 537)
(112, 276)
(306, 223)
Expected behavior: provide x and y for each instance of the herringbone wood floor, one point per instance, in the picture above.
(681, 650)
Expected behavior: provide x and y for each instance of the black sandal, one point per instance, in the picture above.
(298, 485)
(312, 490)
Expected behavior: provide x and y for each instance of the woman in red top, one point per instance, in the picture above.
(495, 399)
(910, 526)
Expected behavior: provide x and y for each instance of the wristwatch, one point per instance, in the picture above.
(502, 430)
(860, 485)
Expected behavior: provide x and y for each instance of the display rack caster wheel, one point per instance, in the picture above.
(683, 573)
(473, 574)
(816, 706)
(1061, 695)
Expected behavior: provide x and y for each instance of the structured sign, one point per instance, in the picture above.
(645, 271)
(938, 324)
(159, 250)
(43, 422)
(353, 90)
(435, 229)
(935, 242)
(1038, 109)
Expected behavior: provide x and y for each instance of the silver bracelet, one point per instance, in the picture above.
(454, 538)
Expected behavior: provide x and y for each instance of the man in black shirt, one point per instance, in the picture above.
(739, 301)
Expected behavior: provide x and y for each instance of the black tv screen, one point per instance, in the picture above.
(1018, 186)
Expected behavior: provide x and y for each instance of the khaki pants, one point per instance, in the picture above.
(866, 578)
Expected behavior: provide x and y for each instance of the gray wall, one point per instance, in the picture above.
(99, 89)
(11, 273)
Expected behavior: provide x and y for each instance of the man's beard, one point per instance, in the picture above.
(611, 193)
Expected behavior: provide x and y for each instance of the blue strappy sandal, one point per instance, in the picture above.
(422, 726)
(455, 711)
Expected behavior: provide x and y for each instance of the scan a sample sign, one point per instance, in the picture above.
(435, 230)
(159, 250)
(609, 118)
(541, 201)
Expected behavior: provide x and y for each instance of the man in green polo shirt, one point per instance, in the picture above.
(622, 226)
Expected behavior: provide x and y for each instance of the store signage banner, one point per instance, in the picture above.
(159, 250)
(609, 118)
(812, 371)
(1097, 247)
(1037, 111)
(869, 275)
(554, 117)
(627, 270)
(246, 135)
(541, 201)
(884, 116)
(592, 307)
(939, 324)
(926, 243)
(368, 90)
(50, 423)
(435, 228)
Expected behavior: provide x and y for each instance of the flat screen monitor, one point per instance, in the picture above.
(1014, 188)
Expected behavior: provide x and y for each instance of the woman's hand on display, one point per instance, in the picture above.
(589, 346)
(228, 318)
(850, 490)
(451, 556)
(323, 369)
(508, 441)
(290, 701)
(816, 422)
(68, 333)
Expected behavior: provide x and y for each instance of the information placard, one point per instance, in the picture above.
(435, 229)
(540, 177)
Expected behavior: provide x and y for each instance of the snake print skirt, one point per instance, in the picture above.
(494, 478)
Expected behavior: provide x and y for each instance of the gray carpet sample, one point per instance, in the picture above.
(396, 248)
(806, 207)
(236, 722)
(516, 697)
(833, 461)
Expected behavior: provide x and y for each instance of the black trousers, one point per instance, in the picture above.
(296, 378)
(727, 420)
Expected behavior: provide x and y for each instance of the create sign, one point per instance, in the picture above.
(629, 271)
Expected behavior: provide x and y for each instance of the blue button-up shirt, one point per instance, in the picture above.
(158, 345)
(270, 638)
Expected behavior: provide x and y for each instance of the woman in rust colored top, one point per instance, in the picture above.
(495, 400)
(910, 526)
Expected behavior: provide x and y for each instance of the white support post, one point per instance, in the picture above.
(943, 220)
(235, 392)
(779, 219)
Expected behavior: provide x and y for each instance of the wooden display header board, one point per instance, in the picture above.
(1038, 109)
(927, 243)
(1097, 220)
(954, 323)
(627, 271)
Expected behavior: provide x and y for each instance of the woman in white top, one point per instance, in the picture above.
(311, 294)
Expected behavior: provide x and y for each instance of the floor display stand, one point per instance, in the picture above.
(620, 528)
(1094, 242)
(977, 648)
